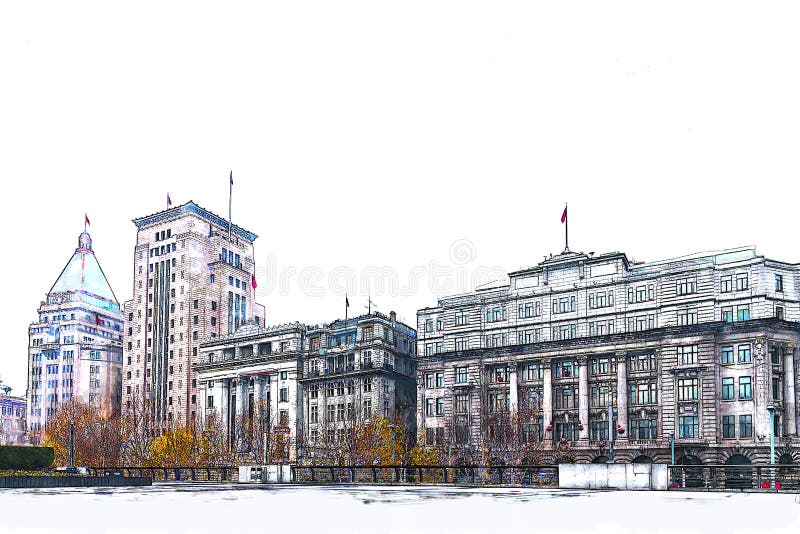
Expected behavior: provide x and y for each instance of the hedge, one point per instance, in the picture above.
(16, 457)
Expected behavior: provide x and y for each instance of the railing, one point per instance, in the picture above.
(166, 474)
(769, 477)
(496, 475)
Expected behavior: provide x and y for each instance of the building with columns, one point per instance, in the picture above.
(192, 281)
(315, 386)
(75, 345)
(249, 379)
(701, 348)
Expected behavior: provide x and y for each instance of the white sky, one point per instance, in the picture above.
(375, 134)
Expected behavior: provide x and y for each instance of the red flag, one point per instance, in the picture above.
(231, 177)
(86, 219)
(564, 215)
(253, 281)
(97, 318)
(169, 201)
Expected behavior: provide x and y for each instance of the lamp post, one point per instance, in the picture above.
(610, 431)
(771, 410)
(672, 447)
(71, 465)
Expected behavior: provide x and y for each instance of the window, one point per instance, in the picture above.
(779, 313)
(726, 355)
(284, 394)
(462, 318)
(495, 314)
(726, 284)
(776, 388)
(461, 375)
(688, 427)
(687, 389)
(439, 380)
(429, 407)
(564, 304)
(741, 282)
(534, 371)
(440, 406)
(602, 395)
(461, 403)
(779, 283)
(687, 317)
(687, 355)
(429, 380)
(643, 429)
(603, 365)
(745, 387)
(461, 343)
(745, 426)
(728, 426)
(743, 313)
(727, 389)
(686, 286)
(643, 393)
(429, 325)
(565, 368)
(745, 355)
(727, 314)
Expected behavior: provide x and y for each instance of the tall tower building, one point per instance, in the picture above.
(75, 346)
(192, 281)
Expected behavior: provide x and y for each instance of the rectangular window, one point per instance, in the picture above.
(727, 389)
(440, 406)
(429, 407)
(687, 317)
(687, 355)
(462, 318)
(745, 355)
(741, 282)
(688, 427)
(461, 375)
(743, 313)
(726, 355)
(687, 389)
(745, 387)
(461, 343)
(727, 314)
(726, 284)
(686, 286)
(439, 380)
(461, 403)
(728, 426)
(779, 283)
(745, 426)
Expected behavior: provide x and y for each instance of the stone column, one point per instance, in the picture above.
(547, 399)
(789, 392)
(583, 396)
(513, 401)
(273, 399)
(762, 391)
(622, 393)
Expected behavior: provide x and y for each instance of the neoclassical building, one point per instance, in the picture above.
(75, 345)
(699, 348)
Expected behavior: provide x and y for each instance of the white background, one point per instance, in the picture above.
(381, 133)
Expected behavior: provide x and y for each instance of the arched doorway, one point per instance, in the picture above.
(600, 460)
(689, 477)
(740, 476)
(642, 459)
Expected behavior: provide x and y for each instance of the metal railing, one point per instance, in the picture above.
(495, 475)
(762, 477)
(168, 474)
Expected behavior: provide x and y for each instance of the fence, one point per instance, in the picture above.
(525, 475)
(166, 474)
(778, 477)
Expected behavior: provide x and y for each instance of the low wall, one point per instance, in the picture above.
(265, 473)
(613, 476)
(72, 481)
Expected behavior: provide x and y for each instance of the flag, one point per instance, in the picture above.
(253, 281)
(564, 215)
(86, 219)
(97, 318)
(346, 302)
(231, 177)
(169, 201)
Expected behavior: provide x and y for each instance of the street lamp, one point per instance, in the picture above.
(610, 431)
(771, 410)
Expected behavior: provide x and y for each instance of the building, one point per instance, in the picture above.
(13, 430)
(192, 281)
(700, 348)
(75, 346)
(352, 371)
(315, 386)
(248, 380)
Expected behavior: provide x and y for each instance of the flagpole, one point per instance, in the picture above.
(345, 307)
(230, 199)
(566, 230)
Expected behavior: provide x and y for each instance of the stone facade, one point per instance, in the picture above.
(252, 376)
(699, 347)
(352, 371)
(192, 282)
(75, 346)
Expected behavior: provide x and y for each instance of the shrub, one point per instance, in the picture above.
(16, 457)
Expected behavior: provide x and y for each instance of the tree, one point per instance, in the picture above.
(98, 436)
